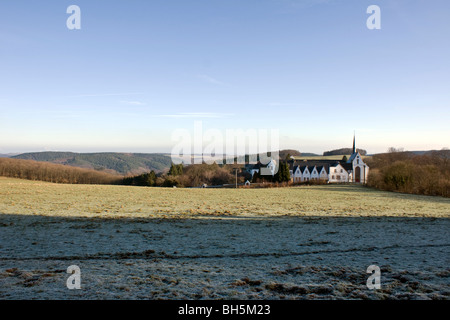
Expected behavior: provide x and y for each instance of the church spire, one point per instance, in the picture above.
(354, 146)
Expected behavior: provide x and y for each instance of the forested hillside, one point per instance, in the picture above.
(344, 151)
(122, 163)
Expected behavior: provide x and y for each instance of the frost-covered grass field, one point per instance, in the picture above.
(154, 243)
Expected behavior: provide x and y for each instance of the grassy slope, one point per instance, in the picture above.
(40, 198)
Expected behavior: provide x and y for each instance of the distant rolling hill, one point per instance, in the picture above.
(445, 153)
(122, 163)
(8, 155)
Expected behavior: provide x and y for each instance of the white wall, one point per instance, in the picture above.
(306, 175)
(314, 174)
(323, 174)
(358, 162)
(297, 176)
(338, 174)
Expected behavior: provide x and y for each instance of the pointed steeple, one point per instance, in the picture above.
(354, 146)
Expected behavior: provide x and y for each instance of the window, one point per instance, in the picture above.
(357, 161)
(335, 170)
(342, 170)
(332, 177)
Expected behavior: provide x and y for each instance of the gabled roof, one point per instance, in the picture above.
(327, 164)
(303, 168)
(257, 166)
(352, 157)
(319, 164)
(335, 164)
(320, 168)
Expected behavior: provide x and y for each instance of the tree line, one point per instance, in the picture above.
(197, 175)
(426, 174)
(194, 175)
(344, 151)
(178, 175)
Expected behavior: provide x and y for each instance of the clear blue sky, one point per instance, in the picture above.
(138, 70)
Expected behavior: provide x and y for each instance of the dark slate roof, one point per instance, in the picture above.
(320, 168)
(255, 166)
(303, 168)
(353, 156)
(292, 165)
(347, 166)
(322, 163)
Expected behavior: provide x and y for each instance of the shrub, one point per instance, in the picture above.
(427, 174)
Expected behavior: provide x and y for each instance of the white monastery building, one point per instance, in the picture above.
(333, 171)
(353, 169)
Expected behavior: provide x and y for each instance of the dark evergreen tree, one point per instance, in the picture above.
(287, 174)
(143, 180)
(283, 174)
(176, 169)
